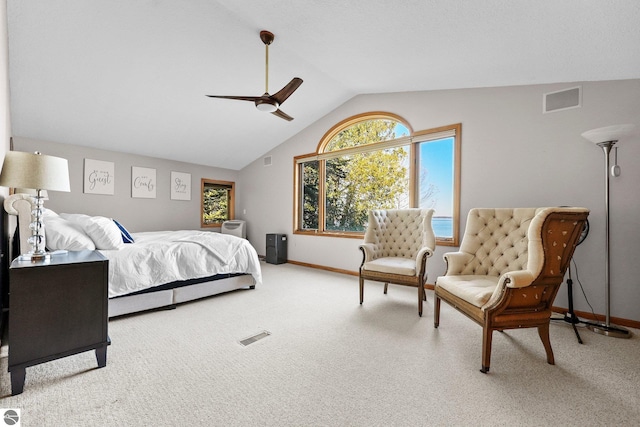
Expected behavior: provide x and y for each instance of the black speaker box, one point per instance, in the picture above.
(276, 248)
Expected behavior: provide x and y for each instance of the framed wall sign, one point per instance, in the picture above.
(180, 186)
(99, 177)
(143, 182)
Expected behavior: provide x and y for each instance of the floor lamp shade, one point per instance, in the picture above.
(608, 133)
(36, 172)
(606, 138)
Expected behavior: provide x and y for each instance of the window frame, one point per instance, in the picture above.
(413, 141)
(231, 186)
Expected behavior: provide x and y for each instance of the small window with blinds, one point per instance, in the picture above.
(375, 161)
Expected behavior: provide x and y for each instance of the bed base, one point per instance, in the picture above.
(169, 298)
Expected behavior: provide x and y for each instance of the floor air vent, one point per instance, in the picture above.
(253, 338)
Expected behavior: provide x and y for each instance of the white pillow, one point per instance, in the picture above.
(104, 233)
(48, 213)
(62, 234)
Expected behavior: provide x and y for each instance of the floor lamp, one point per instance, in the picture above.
(606, 138)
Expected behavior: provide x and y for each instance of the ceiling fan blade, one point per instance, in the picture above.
(239, 98)
(282, 115)
(286, 91)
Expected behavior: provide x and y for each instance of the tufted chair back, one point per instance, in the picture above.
(400, 232)
(496, 241)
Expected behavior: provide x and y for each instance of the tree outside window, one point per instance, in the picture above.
(217, 202)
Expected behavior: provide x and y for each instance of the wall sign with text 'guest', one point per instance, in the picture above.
(99, 177)
(143, 182)
(180, 186)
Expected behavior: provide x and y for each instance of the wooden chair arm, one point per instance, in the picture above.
(421, 259)
(368, 252)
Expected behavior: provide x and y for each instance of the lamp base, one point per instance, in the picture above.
(33, 257)
(610, 330)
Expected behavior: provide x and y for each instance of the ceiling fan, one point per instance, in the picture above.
(266, 102)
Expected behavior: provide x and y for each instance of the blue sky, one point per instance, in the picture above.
(437, 158)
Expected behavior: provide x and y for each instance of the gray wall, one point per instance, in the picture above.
(136, 214)
(512, 155)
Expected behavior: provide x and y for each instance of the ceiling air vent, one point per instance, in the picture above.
(562, 100)
(267, 161)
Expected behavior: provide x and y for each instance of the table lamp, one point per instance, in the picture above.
(38, 172)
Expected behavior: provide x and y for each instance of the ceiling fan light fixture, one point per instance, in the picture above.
(266, 105)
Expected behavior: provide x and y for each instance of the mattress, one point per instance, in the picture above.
(162, 257)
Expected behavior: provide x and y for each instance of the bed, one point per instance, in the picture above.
(150, 269)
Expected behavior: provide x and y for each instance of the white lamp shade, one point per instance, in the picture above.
(36, 171)
(608, 133)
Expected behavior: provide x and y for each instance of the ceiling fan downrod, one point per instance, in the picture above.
(267, 38)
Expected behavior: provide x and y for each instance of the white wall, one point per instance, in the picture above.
(5, 122)
(136, 214)
(512, 155)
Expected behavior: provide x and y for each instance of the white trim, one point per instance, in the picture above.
(393, 143)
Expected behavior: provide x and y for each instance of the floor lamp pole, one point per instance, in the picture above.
(607, 328)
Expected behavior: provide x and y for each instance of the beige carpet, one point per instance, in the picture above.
(329, 362)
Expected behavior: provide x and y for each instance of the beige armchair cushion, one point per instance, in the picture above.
(393, 265)
(475, 290)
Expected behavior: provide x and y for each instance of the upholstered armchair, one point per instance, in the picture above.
(509, 268)
(396, 246)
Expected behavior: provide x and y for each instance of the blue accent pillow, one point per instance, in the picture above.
(126, 237)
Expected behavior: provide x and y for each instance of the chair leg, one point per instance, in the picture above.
(436, 311)
(386, 285)
(487, 334)
(361, 290)
(420, 298)
(543, 331)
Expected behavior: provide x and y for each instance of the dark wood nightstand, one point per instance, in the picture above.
(57, 308)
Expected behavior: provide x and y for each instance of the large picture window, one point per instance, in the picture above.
(375, 161)
(217, 202)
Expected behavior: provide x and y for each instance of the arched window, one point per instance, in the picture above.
(375, 161)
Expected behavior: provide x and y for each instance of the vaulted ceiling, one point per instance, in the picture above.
(132, 75)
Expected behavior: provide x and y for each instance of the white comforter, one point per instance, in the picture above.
(161, 257)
